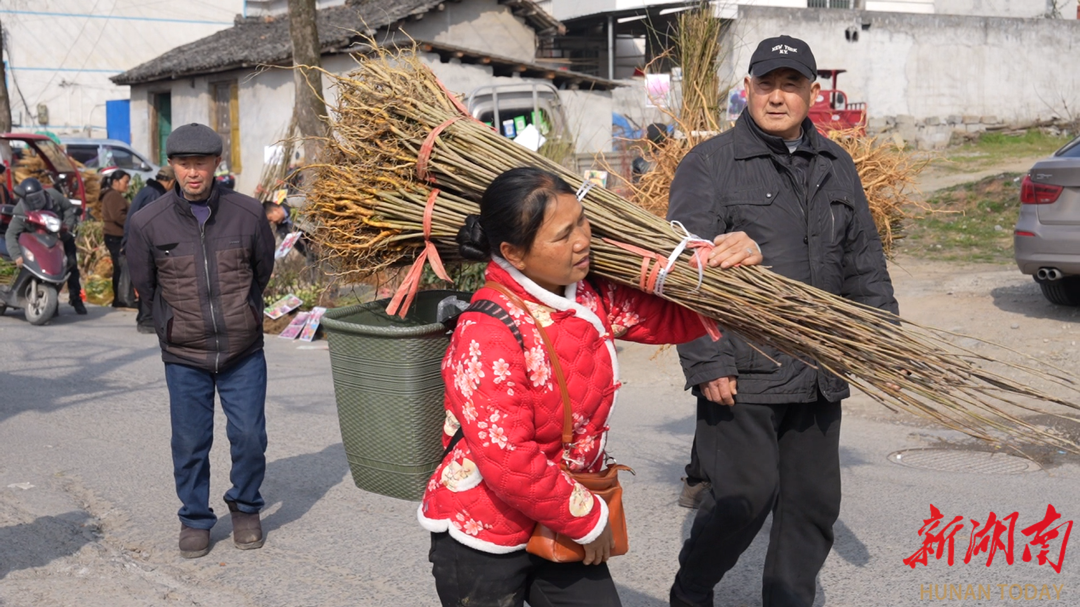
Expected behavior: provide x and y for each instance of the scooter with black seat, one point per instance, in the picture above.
(36, 286)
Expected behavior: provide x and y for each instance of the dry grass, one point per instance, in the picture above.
(888, 173)
(698, 52)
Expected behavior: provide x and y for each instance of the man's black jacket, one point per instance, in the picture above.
(56, 202)
(205, 282)
(809, 214)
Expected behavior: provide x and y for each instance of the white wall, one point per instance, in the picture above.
(589, 115)
(62, 52)
(480, 25)
(258, 8)
(726, 9)
(995, 8)
(932, 65)
(901, 6)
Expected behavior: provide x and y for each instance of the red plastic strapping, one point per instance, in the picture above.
(406, 293)
(427, 147)
(648, 283)
(453, 98)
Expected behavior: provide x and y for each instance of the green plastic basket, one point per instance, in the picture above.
(389, 390)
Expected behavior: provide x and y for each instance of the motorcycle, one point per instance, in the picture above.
(225, 178)
(36, 286)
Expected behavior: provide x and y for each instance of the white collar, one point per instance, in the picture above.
(549, 299)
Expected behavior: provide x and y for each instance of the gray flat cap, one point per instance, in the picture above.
(193, 140)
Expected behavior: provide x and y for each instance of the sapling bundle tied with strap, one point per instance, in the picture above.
(404, 165)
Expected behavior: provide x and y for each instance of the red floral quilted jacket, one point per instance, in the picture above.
(504, 475)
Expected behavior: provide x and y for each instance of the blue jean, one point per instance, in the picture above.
(242, 390)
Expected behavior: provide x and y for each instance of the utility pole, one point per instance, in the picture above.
(309, 109)
(5, 101)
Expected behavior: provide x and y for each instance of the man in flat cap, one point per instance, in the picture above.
(154, 189)
(768, 425)
(203, 255)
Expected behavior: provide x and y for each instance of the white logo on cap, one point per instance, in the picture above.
(784, 49)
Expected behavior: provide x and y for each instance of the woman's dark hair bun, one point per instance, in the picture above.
(472, 241)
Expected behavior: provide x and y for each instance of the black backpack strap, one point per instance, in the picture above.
(494, 310)
(453, 443)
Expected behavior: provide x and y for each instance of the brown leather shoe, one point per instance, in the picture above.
(692, 495)
(194, 542)
(246, 528)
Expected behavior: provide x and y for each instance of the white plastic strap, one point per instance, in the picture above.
(583, 190)
(687, 238)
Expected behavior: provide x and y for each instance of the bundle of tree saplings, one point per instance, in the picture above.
(402, 148)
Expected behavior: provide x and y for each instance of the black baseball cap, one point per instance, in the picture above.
(783, 51)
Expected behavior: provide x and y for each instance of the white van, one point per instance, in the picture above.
(509, 108)
(100, 154)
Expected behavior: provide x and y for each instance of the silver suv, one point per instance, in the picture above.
(1047, 236)
(104, 153)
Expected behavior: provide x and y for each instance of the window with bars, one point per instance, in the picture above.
(828, 3)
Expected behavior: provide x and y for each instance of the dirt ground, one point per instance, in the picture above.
(995, 310)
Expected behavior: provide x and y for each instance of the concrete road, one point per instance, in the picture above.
(87, 507)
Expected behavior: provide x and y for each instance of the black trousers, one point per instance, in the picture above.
(782, 459)
(465, 576)
(74, 285)
(113, 244)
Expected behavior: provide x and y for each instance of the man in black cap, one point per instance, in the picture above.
(768, 425)
(203, 255)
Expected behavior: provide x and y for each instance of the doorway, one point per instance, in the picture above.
(160, 124)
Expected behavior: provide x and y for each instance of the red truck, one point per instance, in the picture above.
(832, 111)
(60, 167)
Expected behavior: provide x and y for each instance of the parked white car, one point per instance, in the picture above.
(105, 153)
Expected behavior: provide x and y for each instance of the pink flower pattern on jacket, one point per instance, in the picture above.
(509, 407)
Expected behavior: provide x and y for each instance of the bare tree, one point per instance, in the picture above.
(5, 102)
(309, 109)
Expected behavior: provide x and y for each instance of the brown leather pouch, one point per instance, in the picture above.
(544, 542)
(556, 547)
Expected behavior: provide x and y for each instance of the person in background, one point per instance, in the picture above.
(5, 194)
(34, 197)
(280, 218)
(69, 214)
(163, 182)
(114, 212)
(203, 255)
(655, 136)
(154, 189)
